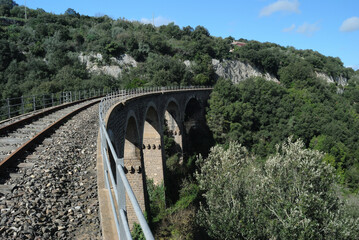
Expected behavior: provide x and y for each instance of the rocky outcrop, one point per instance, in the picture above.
(230, 69)
(340, 81)
(94, 64)
(238, 71)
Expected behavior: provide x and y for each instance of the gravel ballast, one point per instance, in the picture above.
(57, 197)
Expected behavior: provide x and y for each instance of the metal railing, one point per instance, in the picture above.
(12, 107)
(121, 185)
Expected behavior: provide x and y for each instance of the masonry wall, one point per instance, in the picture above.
(142, 151)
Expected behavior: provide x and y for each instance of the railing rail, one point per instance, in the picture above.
(121, 185)
(11, 107)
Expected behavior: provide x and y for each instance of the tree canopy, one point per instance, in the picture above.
(291, 197)
(58, 40)
(242, 192)
(260, 114)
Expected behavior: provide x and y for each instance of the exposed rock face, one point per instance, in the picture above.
(187, 63)
(238, 71)
(230, 69)
(340, 81)
(93, 64)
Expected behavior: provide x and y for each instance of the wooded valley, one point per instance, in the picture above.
(282, 158)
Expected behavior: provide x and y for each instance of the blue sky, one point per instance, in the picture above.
(330, 27)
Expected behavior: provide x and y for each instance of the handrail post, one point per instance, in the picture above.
(34, 102)
(8, 107)
(22, 105)
(43, 100)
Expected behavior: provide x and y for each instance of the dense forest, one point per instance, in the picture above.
(285, 155)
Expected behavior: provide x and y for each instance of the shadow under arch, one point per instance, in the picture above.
(173, 154)
(133, 167)
(152, 146)
(197, 138)
(132, 151)
(172, 121)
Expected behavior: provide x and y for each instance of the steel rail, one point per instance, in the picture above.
(37, 115)
(42, 134)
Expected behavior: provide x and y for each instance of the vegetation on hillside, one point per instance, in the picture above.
(271, 58)
(260, 114)
(40, 54)
(259, 185)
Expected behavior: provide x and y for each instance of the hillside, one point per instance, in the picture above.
(42, 53)
(270, 104)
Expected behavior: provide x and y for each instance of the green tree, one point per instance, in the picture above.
(292, 196)
(114, 49)
(5, 54)
(171, 30)
(298, 71)
(6, 6)
(71, 12)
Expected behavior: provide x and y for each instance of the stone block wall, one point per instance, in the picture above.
(137, 136)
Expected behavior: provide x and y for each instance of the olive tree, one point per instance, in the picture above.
(290, 196)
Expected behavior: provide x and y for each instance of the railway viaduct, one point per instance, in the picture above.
(135, 127)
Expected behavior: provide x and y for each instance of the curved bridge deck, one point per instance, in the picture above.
(131, 140)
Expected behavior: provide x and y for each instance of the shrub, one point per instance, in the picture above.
(291, 196)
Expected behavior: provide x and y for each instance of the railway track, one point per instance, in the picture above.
(50, 192)
(20, 136)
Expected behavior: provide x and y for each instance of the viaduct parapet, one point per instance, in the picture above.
(135, 127)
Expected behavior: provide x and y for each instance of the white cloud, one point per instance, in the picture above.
(308, 29)
(158, 21)
(280, 6)
(355, 67)
(289, 29)
(350, 25)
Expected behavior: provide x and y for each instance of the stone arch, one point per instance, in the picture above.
(173, 154)
(133, 166)
(126, 119)
(172, 103)
(172, 116)
(193, 113)
(196, 134)
(152, 144)
(151, 114)
(191, 98)
(132, 150)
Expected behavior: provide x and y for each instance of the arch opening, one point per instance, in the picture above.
(173, 154)
(133, 168)
(197, 136)
(152, 147)
(172, 120)
(132, 152)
